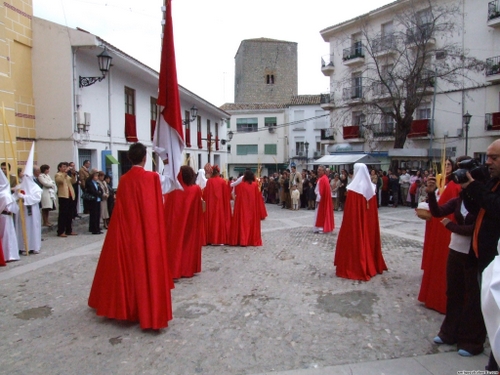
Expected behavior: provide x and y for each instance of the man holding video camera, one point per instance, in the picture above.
(482, 198)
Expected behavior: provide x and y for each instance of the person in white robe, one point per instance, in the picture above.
(31, 194)
(490, 303)
(8, 206)
(201, 180)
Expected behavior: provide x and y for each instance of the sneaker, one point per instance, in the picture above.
(437, 340)
(464, 353)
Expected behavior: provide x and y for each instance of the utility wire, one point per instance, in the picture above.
(282, 125)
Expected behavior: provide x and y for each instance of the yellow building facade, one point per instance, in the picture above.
(16, 84)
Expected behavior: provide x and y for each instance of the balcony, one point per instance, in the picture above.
(384, 46)
(426, 82)
(353, 55)
(354, 94)
(421, 34)
(492, 121)
(327, 65)
(327, 135)
(383, 130)
(382, 91)
(493, 14)
(420, 128)
(493, 69)
(326, 101)
(353, 132)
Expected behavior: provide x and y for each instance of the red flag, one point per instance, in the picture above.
(168, 138)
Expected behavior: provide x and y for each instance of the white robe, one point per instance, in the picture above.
(9, 238)
(33, 229)
(31, 194)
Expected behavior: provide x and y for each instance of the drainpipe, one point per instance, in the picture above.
(110, 128)
(431, 154)
(75, 105)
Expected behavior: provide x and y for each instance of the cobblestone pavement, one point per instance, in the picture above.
(251, 310)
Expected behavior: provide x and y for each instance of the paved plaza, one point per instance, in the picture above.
(275, 309)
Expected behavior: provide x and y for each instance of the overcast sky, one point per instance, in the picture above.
(208, 33)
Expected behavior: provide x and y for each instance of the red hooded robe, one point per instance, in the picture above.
(435, 255)
(217, 195)
(249, 210)
(358, 254)
(132, 280)
(2, 259)
(324, 216)
(185, 230)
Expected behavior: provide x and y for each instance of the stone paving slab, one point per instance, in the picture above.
(251, 310)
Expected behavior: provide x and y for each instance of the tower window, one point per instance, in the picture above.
(270, 79)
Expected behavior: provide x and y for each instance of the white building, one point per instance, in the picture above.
(98, 122)
(477, 31)
(259, 138)
(308, 130)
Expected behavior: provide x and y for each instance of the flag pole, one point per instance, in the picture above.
(21, 202)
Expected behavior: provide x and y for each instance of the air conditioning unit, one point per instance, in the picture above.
(460, 132)
(317, 154)
(271, 129)
(299, 153)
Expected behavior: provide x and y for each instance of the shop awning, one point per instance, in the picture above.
(346, 159)
(111, 159)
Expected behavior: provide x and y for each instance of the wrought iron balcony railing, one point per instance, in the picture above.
(493, 66)
(326, 60)
(354, 92)
(419, 34)
(326, 98)
(384, 43)
(353, 52)
(493, 10)
(386, 129)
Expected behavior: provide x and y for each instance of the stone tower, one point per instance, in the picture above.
(265, 71)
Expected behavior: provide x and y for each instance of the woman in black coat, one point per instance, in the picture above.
(93, 189)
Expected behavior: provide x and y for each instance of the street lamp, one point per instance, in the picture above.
(210, 141)
(307, 149)
(466, 118)
(104, 61)
(229, 135)
(192, 115)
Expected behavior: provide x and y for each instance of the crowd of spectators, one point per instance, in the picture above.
(43, 194)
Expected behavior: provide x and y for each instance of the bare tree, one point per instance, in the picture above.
(402, 66)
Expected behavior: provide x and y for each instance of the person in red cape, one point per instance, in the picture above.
(2, 259)
(217, 195)
(323, 222)
(358, 254)
(249, 210)
(184, 223)
(132, 280)
(436, 248)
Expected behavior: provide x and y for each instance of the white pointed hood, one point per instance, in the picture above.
(361, 182)
(32, 192)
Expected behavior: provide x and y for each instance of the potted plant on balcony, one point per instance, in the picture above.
(495, 69)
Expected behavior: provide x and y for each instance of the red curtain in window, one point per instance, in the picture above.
(187, 136)
(153, 127)
(200, 145)
(130, 128)
(351, 132)
(419, 128)
(209, 140)
(495, 119)
(217, 142)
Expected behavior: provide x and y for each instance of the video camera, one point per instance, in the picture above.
(477, 171)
